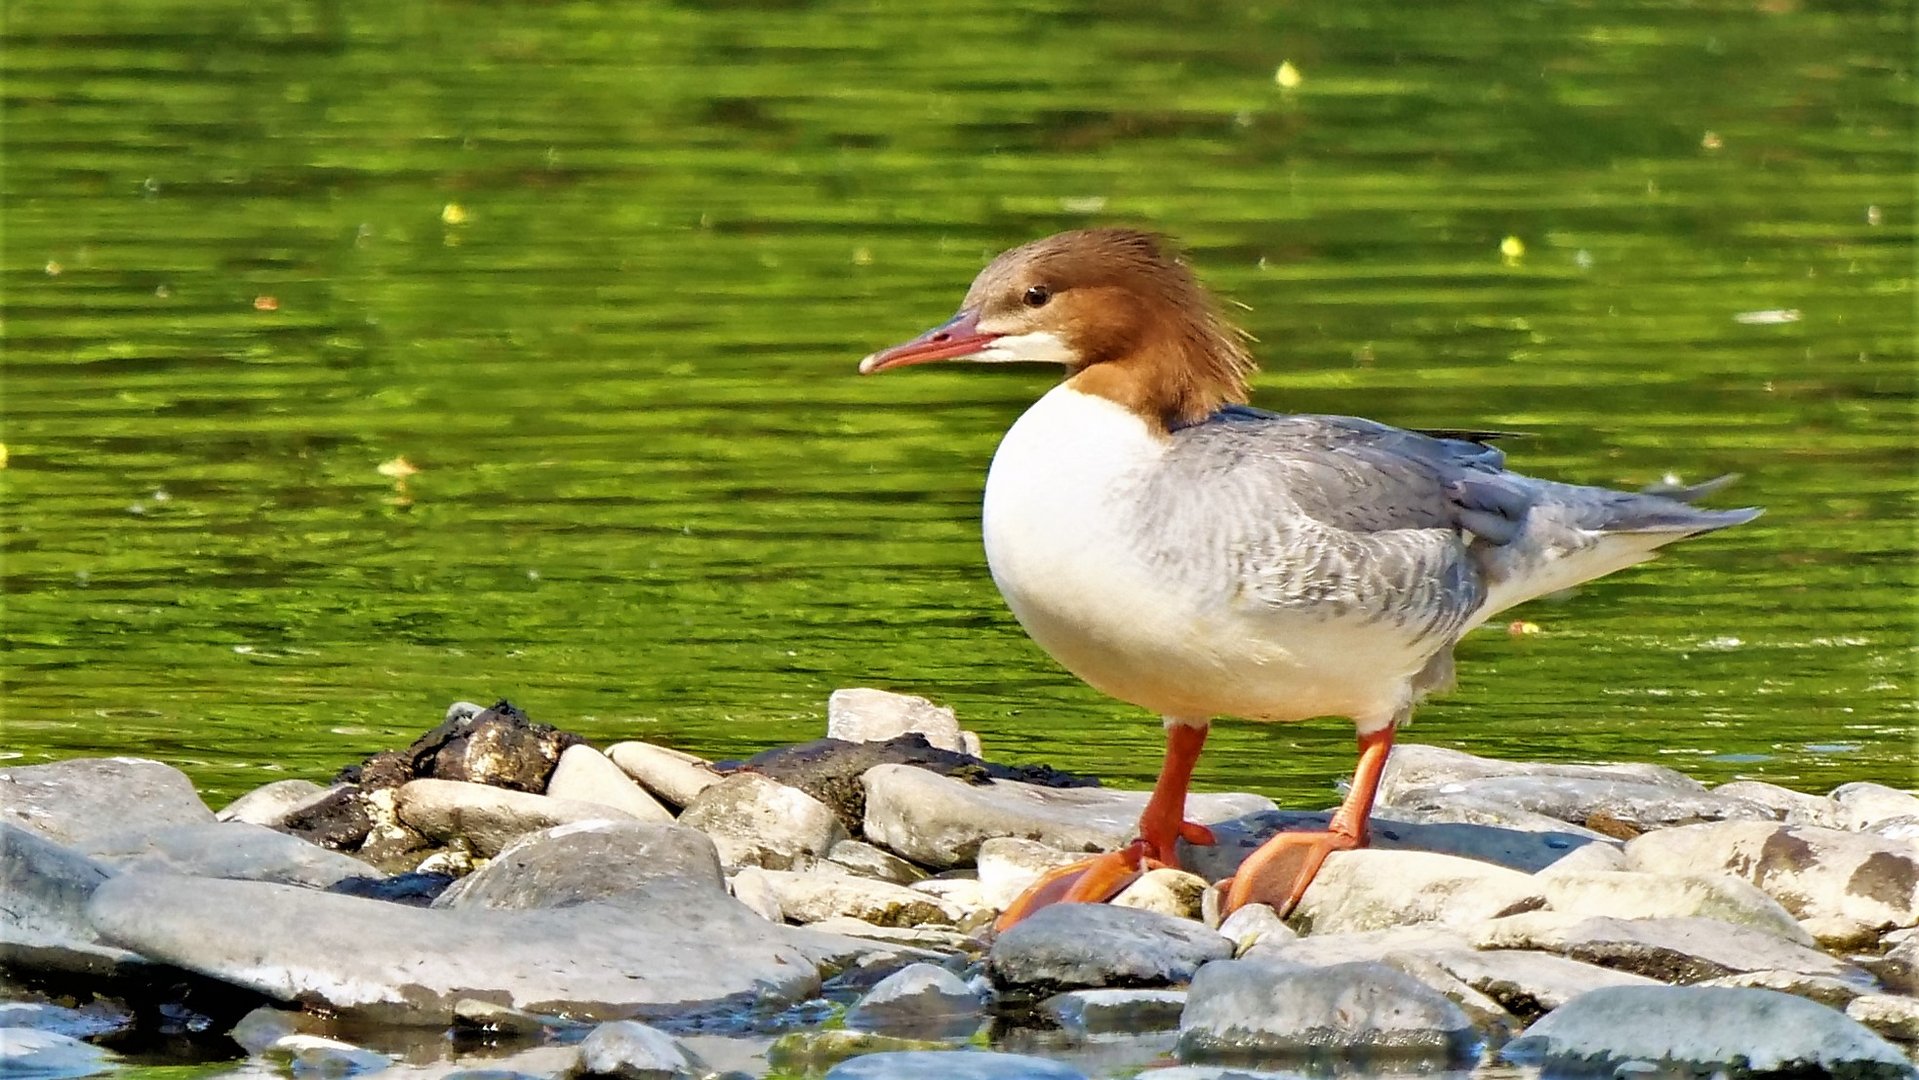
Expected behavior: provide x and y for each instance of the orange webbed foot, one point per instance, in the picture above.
(1280, 871)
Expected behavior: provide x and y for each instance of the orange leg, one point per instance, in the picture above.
(1279, 872)
(1161, 825)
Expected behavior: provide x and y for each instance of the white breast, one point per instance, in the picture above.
(1062, 528)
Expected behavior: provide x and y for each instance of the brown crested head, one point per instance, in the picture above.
(1115, 306)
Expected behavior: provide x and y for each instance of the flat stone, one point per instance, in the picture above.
(226, 849)
(674, 775)
(1811, 871)
(46, 887)
(941, 939)
(1102, 1012)
(631, 1050)
(92, 1020)
(965, 896)
(1524, 850)
(1894, 1016)
(755, 821)
(81, 798)
(1165, 890)
(1789, 806)
(941, 822)
(1415, 766)
(950, 1065)
(865, 715)
(488, 818)
(1008, 865)
(316, 1055)
(1704, 1029)
(1070, 946)
(1365, 1011)
(49, 1055)
(1903, 829)
(1631, 894)
(269, 804)
(1323, 950)
(812, 897)
(1525, 983)
(810, 1052)
(1373, 890)
(868, 861)
(617, 862)
(1826, 990)
(1624, 807)
(1837, 934)
(920, 1001)
(1669, 950)
(1862, 804)
(692, 952)
(586, 775)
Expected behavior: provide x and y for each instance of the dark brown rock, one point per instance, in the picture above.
(340, 821)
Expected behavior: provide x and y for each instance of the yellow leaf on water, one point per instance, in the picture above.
(453, 214)
(1288, 76)
(3, 455)
(1521, 628)
(399, 468)
(1512, 247)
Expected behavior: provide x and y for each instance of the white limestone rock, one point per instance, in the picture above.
(586, 775)
(758, 821)
(861, 714)
(1811, 871)
(675, 776)
(812, 897)
(1629, 894)
(487, 818)
(1165, 890)
(1372, 890)
(1669, 950)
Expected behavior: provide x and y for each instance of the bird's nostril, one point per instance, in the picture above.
(941, 336)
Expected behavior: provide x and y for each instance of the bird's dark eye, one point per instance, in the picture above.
(1037, 295)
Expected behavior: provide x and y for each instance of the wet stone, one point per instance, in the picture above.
(1695, 1029)
(951, 1065)
(1070, 946)
(1100, 1012)
(1364, 1011)
(634, 1051)
(923, 1001)
(89, 1021)
(49, 1055)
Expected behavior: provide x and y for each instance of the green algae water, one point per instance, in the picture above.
(360, 358)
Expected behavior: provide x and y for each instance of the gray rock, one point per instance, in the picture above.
(488, 818)
(752, 886)
(692, 952)
(1824, 989)
(865, 715)
(1069, 946)
(868, 861)
(1787, 805)
(1862, 805)
(673, 775)
(1524, 850)
(939, 821)
(923, 1001)
(1373, 890)
(1811, 871)
(1165, 890)
(1894, 1016)
(1526, 983)
(261, 1028)
(1102, 1012)
(812, 897)
(1638, 895)
(1487, 1015)
(619, 862)
(950, 1065)
(1414, 766)
(1669, 950)
(1008, 865)
(634, 1051)
(1255, 923)
(317, 1057)
(1615, 807)
(1903, 829)
(44, 889)
(755, 821)
(1698, 1029)
(95, 1018)
(1899, 967)
(1591, 859)
(1836, 933)
(1244, 1009)
(499, 747)
(49, 1055)
(585, 775)
(227, 849)
(936, 938)
(269, 804)
(78, 799)
(1322, 950)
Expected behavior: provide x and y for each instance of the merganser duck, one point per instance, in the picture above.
(1182, 551)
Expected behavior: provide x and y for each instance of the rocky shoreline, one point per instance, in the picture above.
(502, 899)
